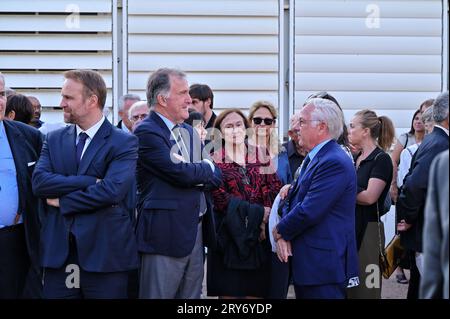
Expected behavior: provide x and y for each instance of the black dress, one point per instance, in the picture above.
(372, 167)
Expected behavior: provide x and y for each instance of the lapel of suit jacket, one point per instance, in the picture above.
(17, 143)
(94, 146)
(313, 164)
(68, 150)
(166, 132)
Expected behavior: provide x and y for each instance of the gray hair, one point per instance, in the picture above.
(2, 78)
(427, 115)
(328, 112)
(135, 106)
(159, 84)
(127, 97)
(440, 108)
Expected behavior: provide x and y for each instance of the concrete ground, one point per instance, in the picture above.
(390, 288)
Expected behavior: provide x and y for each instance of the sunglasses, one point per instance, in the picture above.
(259, 120)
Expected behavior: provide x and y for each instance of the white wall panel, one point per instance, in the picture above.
(59, 6)
(230, 45)
(383, 55)
(203, 7)
(39, 40)
(180, 43)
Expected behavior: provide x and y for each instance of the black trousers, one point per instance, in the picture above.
(14, 262)
(414, 280)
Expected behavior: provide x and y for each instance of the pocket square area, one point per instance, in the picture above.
(31, 164)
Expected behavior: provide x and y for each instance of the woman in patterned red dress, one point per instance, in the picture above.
(247, 179)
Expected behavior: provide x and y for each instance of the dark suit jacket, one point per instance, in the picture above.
(320, 220)
(411, 202)
(168, 195)
(26, 143)
(238, 235)
(94, 212)
(434, 281)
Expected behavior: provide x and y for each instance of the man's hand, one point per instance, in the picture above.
(266, 215)
(53, 202)
(178, 157)
(284, 250)
(275, 234)
(403, 226)
(262, 233)
(284, 191)
(393, 191)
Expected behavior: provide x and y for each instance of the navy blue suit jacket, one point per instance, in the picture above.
(26, 143)
(320, 220)
(168, 192)
(411, 202)
(94, 212)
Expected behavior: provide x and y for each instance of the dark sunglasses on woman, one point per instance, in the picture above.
(259, 120)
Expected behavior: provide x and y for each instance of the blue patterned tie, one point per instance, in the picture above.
(80, 146)
(304, 166)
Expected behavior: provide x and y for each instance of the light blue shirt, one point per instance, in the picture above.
(316, 149)
(170, 126)
(9, 195)
(166, 121)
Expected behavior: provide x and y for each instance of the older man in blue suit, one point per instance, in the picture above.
(172, 201)
(84, 173)
(318, 223)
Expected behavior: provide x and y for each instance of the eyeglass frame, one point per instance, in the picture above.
(302, 122)
(135, 118)
(266, 120)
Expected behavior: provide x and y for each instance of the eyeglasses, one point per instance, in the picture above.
(245, 178)
(259, 120)
(303, 122)
(139, 117)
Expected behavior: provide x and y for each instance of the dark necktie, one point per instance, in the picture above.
(80, 145)
(304, 166)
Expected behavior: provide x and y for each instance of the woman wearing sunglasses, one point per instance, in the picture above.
(262, 119)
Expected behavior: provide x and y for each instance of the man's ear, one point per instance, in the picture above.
(11, 115)
(161, 100)
(93, 100)
(208, 103)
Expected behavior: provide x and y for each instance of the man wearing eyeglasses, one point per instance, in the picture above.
(137, 113)
(20, 146)
(317, 225)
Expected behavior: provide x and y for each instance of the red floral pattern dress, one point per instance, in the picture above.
(251, 184)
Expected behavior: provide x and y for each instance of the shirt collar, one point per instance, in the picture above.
(2, 130)
(316, 149)
(441, 127)
(93, 129)
(125, 128)
(170, 125)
